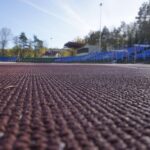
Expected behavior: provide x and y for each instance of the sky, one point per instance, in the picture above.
(59, 21)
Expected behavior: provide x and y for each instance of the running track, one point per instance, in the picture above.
(74, 107)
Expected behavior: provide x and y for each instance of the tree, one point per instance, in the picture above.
(23, 40)
(92, 38)
(79, 40)
(38, 44)
(143, 21)
(105, 38)
(5, 35)
(17, 47)
(23, 43)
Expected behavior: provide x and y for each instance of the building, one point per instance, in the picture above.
(81, 48)
(51, 52)
(87, 49)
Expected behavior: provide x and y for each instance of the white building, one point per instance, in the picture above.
(87, 49)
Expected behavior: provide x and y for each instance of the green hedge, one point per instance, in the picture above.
(37, 60)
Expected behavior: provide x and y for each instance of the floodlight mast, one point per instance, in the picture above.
(100, 34)
(51, 38)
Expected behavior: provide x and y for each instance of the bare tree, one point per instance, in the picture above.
(16, 41)
(5, 35)
(17, 46)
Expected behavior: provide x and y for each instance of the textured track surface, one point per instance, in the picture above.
(64, 107)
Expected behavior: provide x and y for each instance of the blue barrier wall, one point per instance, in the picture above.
(8, 59)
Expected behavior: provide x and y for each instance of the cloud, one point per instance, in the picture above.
(73, 14)
(43, 10)
(76, 23)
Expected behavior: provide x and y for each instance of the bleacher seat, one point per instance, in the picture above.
(129, 54)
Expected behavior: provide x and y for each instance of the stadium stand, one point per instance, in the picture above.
(138, 53)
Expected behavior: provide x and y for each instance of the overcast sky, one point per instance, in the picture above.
(64, 20)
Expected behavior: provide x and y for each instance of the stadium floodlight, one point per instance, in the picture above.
(100, 30)
(51, 38)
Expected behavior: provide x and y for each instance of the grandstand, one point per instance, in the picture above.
(137, 53)
(87, 49)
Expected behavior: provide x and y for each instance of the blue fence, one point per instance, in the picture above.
(8, 59)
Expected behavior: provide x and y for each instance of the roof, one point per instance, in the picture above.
(74, 45)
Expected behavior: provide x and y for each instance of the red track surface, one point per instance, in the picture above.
(56, 107)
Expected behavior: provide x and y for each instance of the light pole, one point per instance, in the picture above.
(100, 30)
(51, 41)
